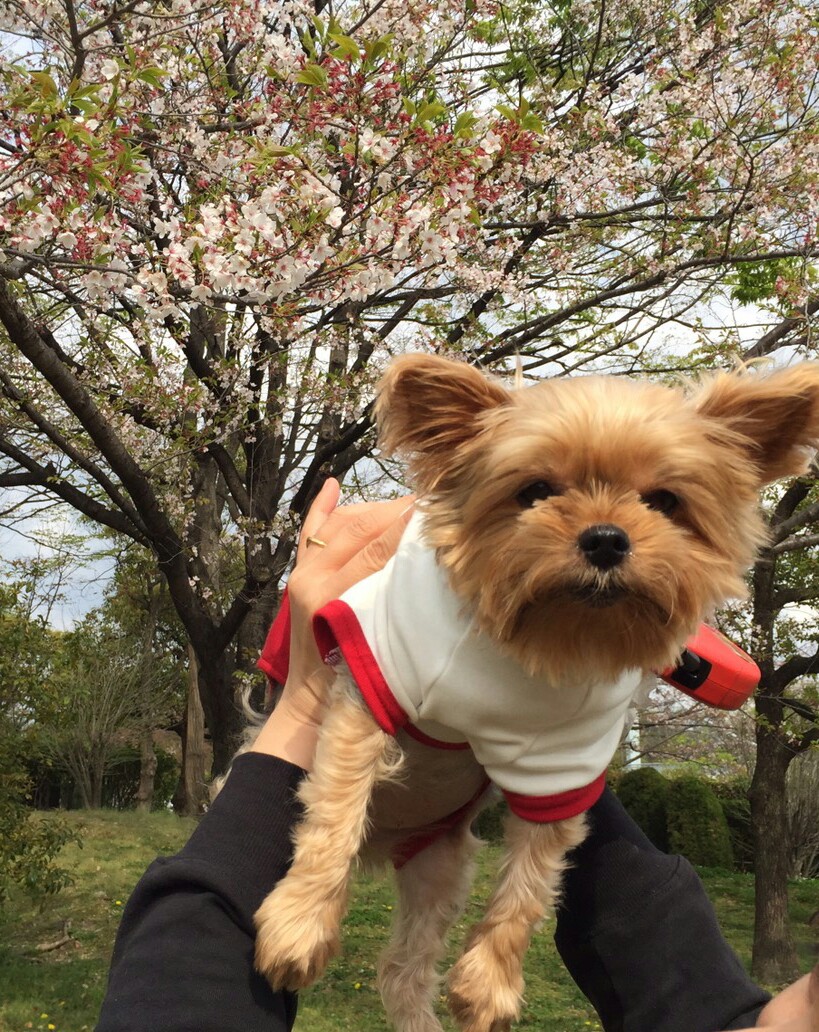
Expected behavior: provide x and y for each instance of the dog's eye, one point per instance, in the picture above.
(538, 491)
(662, 501)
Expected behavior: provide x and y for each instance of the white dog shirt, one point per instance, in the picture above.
(421, 664)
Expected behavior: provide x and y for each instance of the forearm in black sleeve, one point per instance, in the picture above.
(640, 938)
(183, 959)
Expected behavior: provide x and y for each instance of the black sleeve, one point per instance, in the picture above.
(640, 938)
(183, 958)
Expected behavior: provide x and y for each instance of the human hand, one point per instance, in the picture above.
(350, 543)
(795, 1009)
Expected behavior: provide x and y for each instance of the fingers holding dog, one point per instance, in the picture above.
(355, 541)
(349, 543)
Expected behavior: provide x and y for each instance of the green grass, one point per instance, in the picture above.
(67, 984)
(63, 988)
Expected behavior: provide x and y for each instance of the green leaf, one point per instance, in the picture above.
(89, 92)
(486, 31)
(153, 76)
(698, 130)
(464, 123)
(97, 181)
(636, 146)
(347, 47)
(312, 75)
(752, 282)
(428, 112)
(376, 48)
(85, 107)
(45, 85)
(309, 43)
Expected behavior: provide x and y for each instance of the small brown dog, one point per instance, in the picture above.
(572, 537)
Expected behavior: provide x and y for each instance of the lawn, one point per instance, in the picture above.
(60, 990)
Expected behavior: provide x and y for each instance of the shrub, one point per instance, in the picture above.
(733, 797)
(697, 827)
(28, 845)
(643, 793)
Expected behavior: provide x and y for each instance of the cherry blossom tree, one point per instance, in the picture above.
(219, 219)
(784, 640)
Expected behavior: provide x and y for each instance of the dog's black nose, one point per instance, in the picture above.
(604, 545)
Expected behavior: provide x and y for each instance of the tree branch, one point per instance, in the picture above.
(49, 478)
(778, 336)
(791, 669)
(20, 480)
(163, 538)
(788, 596)
(794, 544)
(800, 519)
(231, 476)
(53, 434)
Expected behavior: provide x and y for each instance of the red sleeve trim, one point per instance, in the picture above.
(337, 629)
(275, 658)
(545, 809)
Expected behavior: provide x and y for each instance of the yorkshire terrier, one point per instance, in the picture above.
(570, 537)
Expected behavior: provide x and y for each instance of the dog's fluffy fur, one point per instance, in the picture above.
(679, 471)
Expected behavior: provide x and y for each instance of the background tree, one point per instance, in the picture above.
(28, 845)
(787, 724)
(138, 605)
(108, 688)
(803, 814)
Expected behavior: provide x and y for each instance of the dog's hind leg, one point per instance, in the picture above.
(432, 889)
(298, 924)
(486, 984)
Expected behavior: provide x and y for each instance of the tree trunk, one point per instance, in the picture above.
(222, 715)
(774, 955)
(147, 753)
(191, 796)
(250, 641)
(96, 789)
(147, 772)
(85, 790)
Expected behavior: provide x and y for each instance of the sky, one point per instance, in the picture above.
(86, 570)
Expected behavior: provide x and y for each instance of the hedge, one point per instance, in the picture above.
(643, 792)
(697, 827)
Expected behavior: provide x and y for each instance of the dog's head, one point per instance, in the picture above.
(593, 522)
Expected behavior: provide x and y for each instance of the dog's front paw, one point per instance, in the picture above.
(484, 996)
(294, 941)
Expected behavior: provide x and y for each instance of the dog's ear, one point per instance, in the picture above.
(427, 406)
(772, 419)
